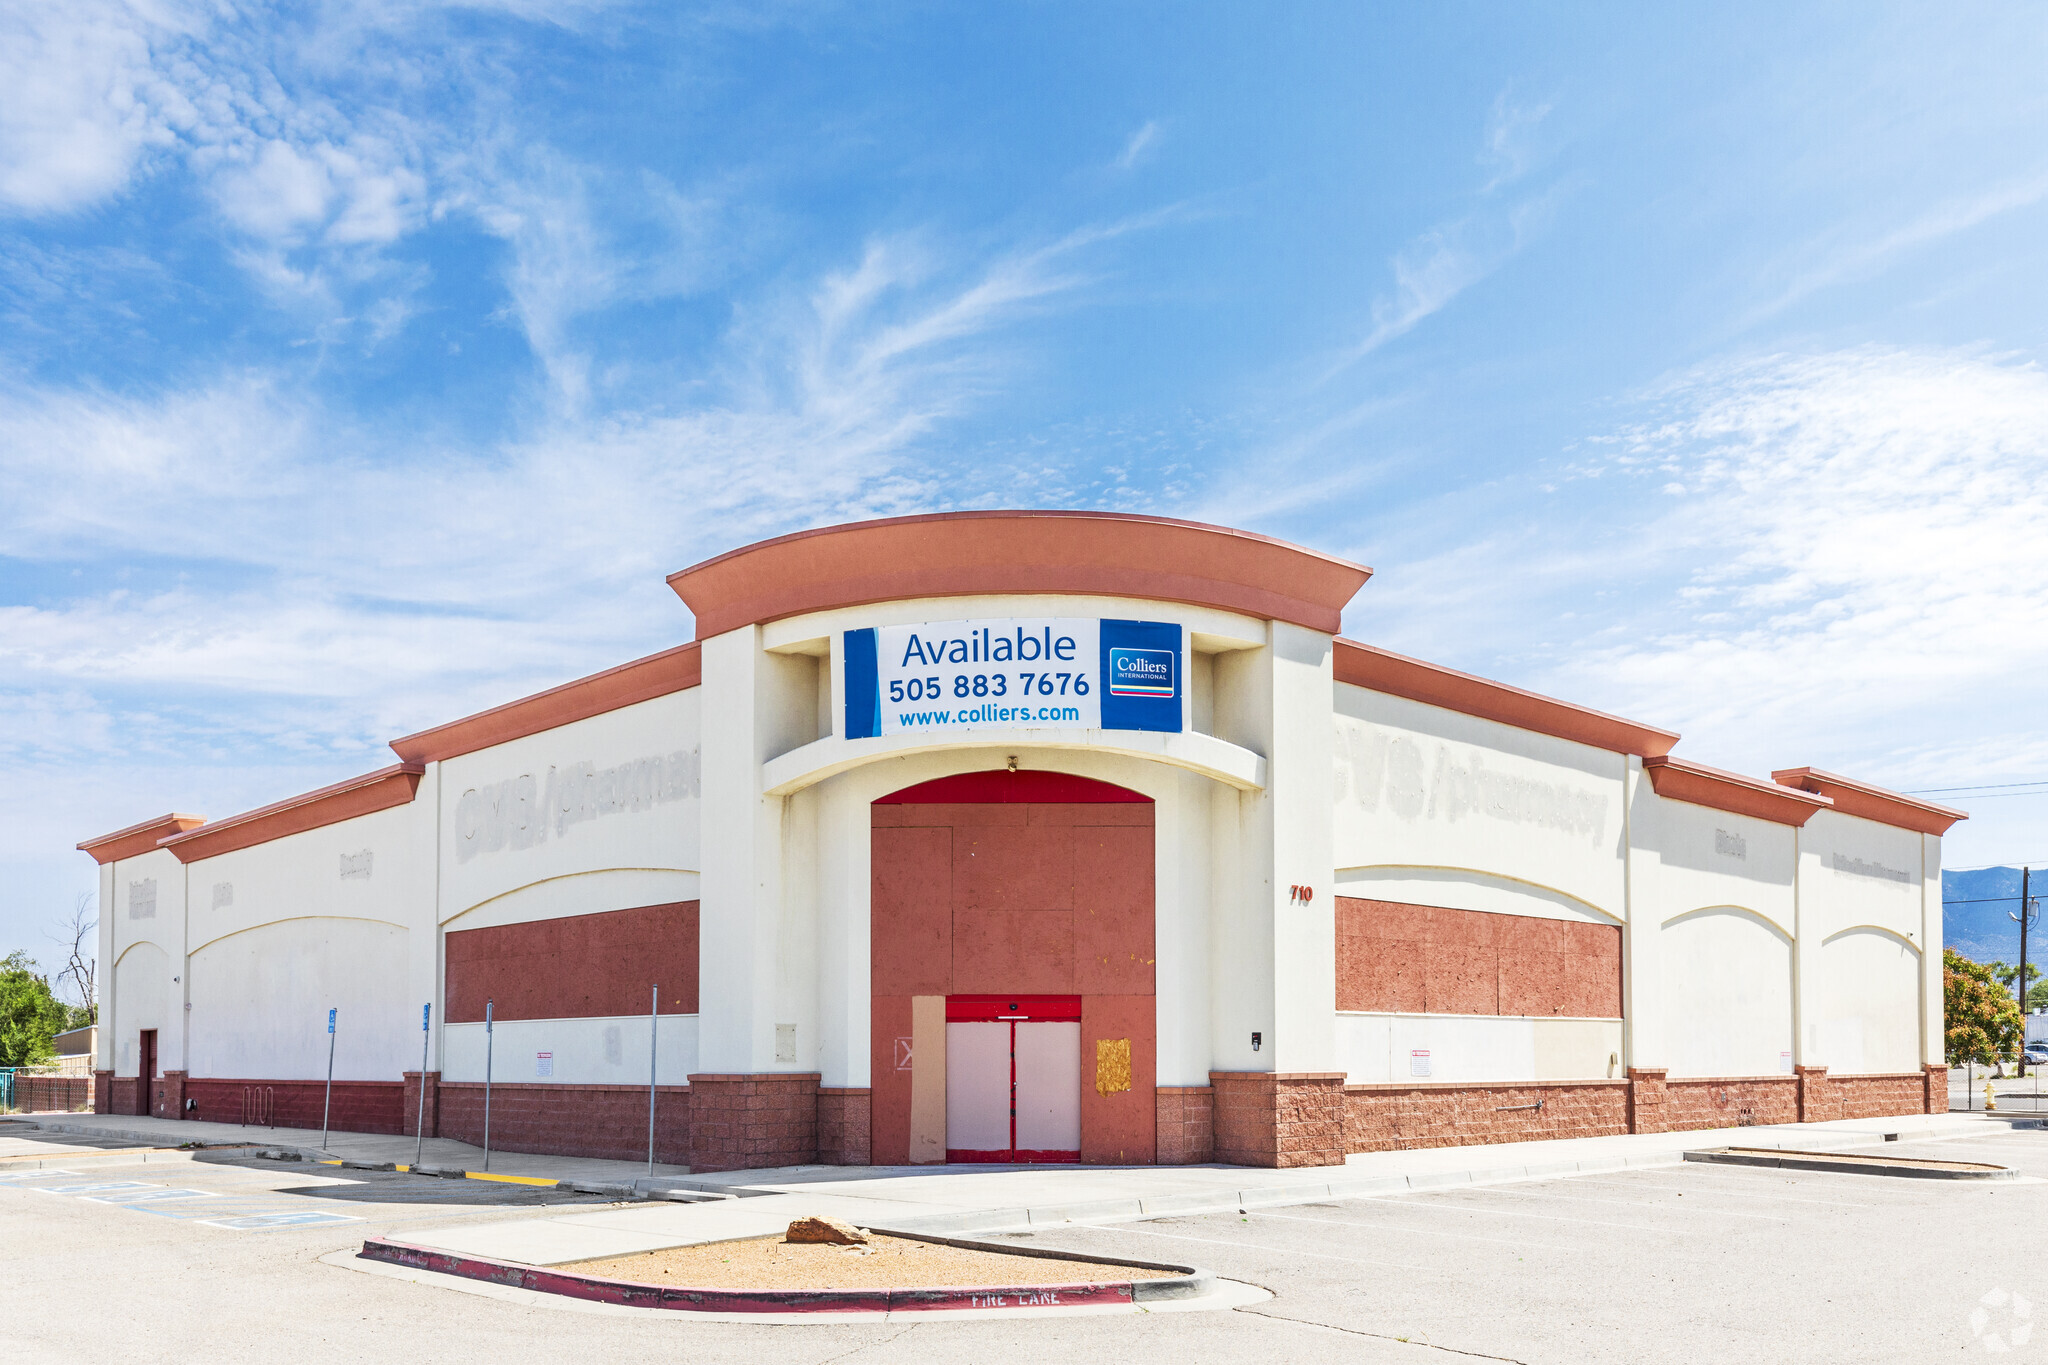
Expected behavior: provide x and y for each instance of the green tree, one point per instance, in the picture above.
(30, 1014)
(1984, 1024)
(2008, 975)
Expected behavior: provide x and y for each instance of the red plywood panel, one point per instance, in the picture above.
(910, 912)
(1054, 814)
(1013, 867)
(889, 1087)
(1528, 934)
(1465, 928)
(1013, 950)
(1460, 980)
(1120, 1128)
(576, 966)
(1113, 910)
(1383, 975)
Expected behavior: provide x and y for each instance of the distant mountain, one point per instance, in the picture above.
(1977, 909)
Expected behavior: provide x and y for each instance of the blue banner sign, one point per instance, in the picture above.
(1032, 673)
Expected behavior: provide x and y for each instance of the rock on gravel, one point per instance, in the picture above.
(825, 1230)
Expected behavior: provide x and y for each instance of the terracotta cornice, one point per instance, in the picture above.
(1382, 670)
(1872, 803)
(957, 554)
(1678, 779)
(380, 790)
(657, 675)
(126, 843)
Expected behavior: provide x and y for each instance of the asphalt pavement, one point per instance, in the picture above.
(242, 1258)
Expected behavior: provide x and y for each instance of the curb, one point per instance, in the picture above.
(1191, 1283)
(1814, 1161)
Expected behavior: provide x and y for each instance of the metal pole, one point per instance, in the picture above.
(653, 1040)
(426, 1017)
(487, 1085)
(327, 1105)
(2021, 991)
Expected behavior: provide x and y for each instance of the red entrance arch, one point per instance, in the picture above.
(1023, 884)
(1006, 787)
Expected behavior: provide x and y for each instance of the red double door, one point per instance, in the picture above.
(1013, 1078)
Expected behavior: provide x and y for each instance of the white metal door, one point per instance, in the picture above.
(1048, 1087)
(978, 1087)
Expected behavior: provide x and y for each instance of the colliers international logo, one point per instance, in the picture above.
(1141, 672)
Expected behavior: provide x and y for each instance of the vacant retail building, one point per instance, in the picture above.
(1031, 836)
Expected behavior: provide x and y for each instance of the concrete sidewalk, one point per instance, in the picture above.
(981, 1199)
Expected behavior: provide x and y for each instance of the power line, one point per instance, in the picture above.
(1978, 787)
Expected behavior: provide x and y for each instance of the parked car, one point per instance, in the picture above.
(2035, 1054)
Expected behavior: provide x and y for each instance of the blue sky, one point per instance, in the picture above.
(366, 366)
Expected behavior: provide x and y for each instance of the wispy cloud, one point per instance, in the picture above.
(1442, 263)
(1844, 254)
(1138, 145)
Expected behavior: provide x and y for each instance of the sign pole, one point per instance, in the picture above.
(327, 1104)
(487, 1085)
(653, 1039)
(426, 1017)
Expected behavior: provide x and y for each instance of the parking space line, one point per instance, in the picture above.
(1259, 1246)
(1623, 1203)
(1403, 1227)
(1705, 1188)
(1547, 1217)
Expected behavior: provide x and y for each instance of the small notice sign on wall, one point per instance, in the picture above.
(543, 1063)
(1418, 1062)
(1785, 1062)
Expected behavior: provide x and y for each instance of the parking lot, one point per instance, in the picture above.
(1680, 1263)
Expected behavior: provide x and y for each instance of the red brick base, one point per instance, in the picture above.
(102, 1092)
(359, 1106)
(1649, 1100)
(1730, 1102)
(414, 1117)
(1186, 1124)
(566, 1120)
(1279, 1119)
(745, 1122)
(843, 1119)
(167, 1096)
(1817, 1099)
(1882, 1096)
(1935, 1083)
(1393, 1117)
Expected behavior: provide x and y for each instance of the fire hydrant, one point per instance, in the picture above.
(1990, 1099)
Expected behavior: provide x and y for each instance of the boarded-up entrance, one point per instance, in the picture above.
(1023, 886)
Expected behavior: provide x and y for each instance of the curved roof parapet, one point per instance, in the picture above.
(126, 843)
(657, 675)
(329, 805)
(1872, 803)
(957, 554)
(1680, 779)
(1382, 670)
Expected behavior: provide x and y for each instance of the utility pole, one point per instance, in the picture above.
(2025, 914)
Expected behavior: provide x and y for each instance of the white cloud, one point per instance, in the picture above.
(358, 580)
(1861, 558)
(81, 99)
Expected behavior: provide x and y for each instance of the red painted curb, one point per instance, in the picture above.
(742, 1300)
